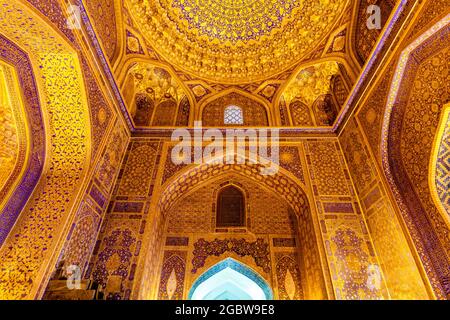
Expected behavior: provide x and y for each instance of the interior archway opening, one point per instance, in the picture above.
(230, 280)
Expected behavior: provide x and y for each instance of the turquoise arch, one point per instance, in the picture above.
(238, 267)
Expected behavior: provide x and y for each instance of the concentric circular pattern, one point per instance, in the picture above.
(235, 41)
(235, 20)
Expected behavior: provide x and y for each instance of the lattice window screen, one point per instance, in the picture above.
(233, 115)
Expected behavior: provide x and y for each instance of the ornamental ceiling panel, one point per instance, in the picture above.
(315, 94)
(311, 82)
(235, 41)
(157, 82)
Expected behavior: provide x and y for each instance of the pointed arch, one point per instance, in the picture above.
(55, 64)
(284, 183)
(230, 204)
(250, 279)
(439, 172)
(24, 178)
(425, 223)
(231, 96)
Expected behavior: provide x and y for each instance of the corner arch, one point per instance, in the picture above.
(127, 64)
(125, 80)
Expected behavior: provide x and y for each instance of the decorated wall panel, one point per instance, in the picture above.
(371, 112)
(30, 250)
(82, 237)
(85, 228)
(172, 276)
(101, 110)
(397, 261)
(115, 257)
(365, 38)
(288, 276)
(350, 253)
(107, 24)
(287, 238)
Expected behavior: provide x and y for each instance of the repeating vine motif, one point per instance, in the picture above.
(258, 249)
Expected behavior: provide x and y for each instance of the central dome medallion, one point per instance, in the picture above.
(235, 20)
(235, 41)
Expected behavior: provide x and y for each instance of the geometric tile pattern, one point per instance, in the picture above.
(288, 277)
(171, 285)
(258, 249)
(402, 275)
(327, 169)
(443, 168)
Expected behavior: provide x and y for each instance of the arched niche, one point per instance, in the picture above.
(254, 111)
(174, 202)
(230, 280)
(171, 101)
(230, 210)
(315, 92)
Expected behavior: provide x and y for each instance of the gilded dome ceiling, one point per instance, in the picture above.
(235, 41)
